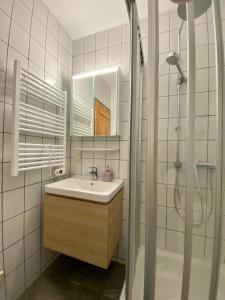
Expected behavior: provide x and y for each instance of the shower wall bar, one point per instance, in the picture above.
(151, 176)
(39, 110)
(189, 153)
(220, 148)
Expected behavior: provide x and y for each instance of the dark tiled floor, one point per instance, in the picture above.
(68, 279)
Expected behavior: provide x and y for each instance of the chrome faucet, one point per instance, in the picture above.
(94, 173)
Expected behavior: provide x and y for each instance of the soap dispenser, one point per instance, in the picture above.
(107, 175)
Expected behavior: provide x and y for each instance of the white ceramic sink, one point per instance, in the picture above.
(83, 188)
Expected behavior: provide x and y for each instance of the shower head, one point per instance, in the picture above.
(173, 59)
(200, 7)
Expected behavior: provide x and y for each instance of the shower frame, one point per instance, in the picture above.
(133, 236)
(151, 215)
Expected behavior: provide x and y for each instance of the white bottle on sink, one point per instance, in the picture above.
(107, 175)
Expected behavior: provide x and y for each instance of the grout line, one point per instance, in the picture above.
(2, 182)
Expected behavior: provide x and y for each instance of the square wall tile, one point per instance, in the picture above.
(51, 65)
(4, 26)
(7, 147)
(6, 6)
(21, 15)
(89, 61)
(175, 241)
(78, 47)
(78, 64)
(161, 216)
(125, 33)
(29, 3)
(63, 38)
(52, 44)
(32, 219)
(32, 176)
(13, 203)
(114, 55)
(115, 36)
(202, 77)
(11, 182)
(164, 22)
(89, 43)
(32, 243)
(32, 196)
(33, 268)
(12, 230)
(63, 55)
(1, 241)
(3, 58)
(101, 58)
(15, 283)
(14, 256)
(53, 25)
(40, 11)
(12, 55)
(17, 34)
(123, 173)
(164, 42)
(38, 30)
(102, 40)
(201, 33)
(37, 53)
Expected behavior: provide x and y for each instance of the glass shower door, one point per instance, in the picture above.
(135, 149)
(189, 116)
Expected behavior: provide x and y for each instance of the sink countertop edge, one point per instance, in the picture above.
(98, 198)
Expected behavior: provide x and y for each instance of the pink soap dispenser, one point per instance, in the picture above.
(107, 175)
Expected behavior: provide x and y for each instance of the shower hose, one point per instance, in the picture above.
(204, 215)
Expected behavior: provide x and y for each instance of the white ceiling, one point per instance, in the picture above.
(84, 17)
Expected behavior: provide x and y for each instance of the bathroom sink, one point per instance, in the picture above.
(83, 188)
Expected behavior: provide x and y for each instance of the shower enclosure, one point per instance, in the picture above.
(184, 254)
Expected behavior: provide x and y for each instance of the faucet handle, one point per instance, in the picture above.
(93, 173)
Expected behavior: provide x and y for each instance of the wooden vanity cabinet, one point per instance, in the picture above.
(86, 230)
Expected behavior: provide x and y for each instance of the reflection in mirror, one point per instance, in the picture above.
(95, 107)
(105, 103)
(82, 107)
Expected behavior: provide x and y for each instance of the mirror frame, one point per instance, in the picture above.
(93, 74)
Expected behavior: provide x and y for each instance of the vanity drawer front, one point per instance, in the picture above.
(76, 228)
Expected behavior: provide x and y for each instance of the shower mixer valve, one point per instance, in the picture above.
(178, 165)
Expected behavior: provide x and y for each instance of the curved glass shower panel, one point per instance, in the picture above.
(136, 167)
(171, 155)
(204, 197)
(220, 42)
(190, 182)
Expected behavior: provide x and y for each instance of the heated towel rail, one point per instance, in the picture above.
(39, 110)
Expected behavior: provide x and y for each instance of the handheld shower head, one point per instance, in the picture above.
(173, 59)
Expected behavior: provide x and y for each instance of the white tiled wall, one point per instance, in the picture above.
(30, 33)
(109, 48)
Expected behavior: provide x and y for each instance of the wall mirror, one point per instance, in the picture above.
(95, 103)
